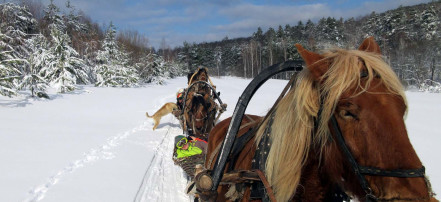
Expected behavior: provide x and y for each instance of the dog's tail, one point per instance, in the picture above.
(147, 114)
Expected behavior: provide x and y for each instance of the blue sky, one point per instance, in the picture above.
(176, 21)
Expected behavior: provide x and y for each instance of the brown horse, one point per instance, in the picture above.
(200, 108)
(201, 116)
(305, 162)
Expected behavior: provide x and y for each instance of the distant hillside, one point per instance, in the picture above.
(409, 38)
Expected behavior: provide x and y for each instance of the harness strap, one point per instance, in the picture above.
(258, 190)
(238, 146)
(213, 154)
(259, 159)
(366, 170)
(351, 159)
(191, 79)
(360, 171)
(198, 139)
(215, 151)
(265, 182)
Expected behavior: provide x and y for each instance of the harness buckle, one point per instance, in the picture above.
(370, 195)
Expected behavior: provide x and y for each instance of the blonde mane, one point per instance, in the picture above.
(293, 127)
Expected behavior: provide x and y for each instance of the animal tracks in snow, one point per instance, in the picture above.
(103, 152)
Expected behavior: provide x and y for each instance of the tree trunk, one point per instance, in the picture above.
(432, 69)
(252, 61)
(260, 59)
(244, 56)
(271, 55)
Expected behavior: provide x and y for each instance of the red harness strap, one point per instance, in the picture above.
(198, 139)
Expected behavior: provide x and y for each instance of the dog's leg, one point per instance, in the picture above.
(156, 120)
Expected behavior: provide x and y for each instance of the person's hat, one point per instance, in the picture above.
(180, 94)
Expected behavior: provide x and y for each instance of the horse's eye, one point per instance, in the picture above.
(348, 115)
(348, 111)
(364, 74)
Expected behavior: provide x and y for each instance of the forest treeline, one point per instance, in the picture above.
(42, 46)
(410, 40)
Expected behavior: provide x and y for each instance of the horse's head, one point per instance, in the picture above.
(367, 100)
(360, 92)
(200, 114)
(201, 74)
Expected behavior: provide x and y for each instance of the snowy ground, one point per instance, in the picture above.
(97, 145)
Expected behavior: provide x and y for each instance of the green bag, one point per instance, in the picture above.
(190, 151)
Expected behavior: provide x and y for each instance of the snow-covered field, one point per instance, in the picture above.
(97, 145)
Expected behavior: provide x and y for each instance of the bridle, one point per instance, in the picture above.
(361, 171)
(203, 118)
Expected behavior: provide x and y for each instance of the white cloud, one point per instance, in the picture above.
(252, 16)
(165, 18)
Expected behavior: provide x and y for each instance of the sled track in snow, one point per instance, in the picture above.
(104, 152)
(163, 181)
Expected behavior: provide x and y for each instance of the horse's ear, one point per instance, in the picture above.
(311, 59)
(369, 45)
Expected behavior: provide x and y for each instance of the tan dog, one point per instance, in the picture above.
(166, 109)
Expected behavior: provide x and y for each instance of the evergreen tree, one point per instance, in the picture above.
(18, 23)
(39, 56)
(64, 68)
(113, 66)
(9, 72)
(53, 18)
(154, 69)
(72, 20)
(430, 23)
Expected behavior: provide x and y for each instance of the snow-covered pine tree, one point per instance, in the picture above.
(154, 69)
(329, 32)
(430, 23)
(39, 56)
(53, 18)
(18, 23)
(65, 68)
(113, 67)
(127, 75)
(157, 69)
(72, 20)
(9, 72)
